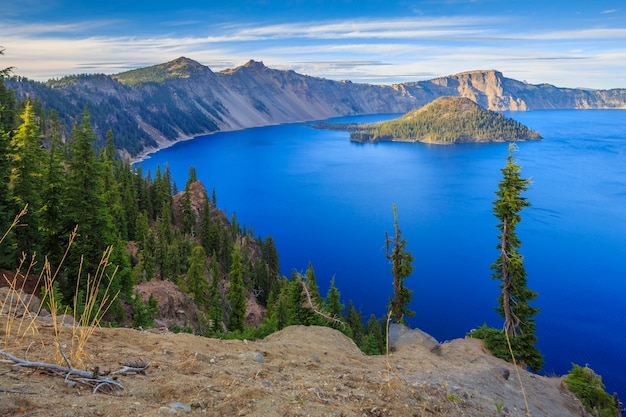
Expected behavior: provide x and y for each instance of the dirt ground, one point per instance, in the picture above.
(299, 371)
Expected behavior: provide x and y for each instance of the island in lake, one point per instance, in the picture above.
(445, 120)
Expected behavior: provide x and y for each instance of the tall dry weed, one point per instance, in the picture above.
(98, 299)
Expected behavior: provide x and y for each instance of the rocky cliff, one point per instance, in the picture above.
(153, 107)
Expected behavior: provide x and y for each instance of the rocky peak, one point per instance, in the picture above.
(179, 68)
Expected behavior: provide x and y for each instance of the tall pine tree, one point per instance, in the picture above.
(236, 296)
(85, 207)
(51, 212)
(401, 269)
(27, 161)
(515, 296)
(7, 125)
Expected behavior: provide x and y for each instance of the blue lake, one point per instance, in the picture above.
(329, 201)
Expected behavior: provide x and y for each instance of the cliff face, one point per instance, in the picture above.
(152, 107)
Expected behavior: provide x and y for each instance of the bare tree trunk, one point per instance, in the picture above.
(511, 321)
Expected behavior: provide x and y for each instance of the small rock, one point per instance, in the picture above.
(258, 357)
(180, 406)
(504, 372)
(316, 358)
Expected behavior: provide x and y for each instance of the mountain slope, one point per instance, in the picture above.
(446, 120)
(153, 107)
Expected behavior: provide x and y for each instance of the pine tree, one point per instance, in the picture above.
(401, 269)
(216, 311)
(355, 323)
(7, 212)
(236, 296)
(333, 302)
(85, 206)
(373, 343)
(51, 212)
(27, 160)
(196, 282)
(112, 195)
(519, 322)
(296, 311)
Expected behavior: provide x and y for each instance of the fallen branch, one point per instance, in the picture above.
(94, 378)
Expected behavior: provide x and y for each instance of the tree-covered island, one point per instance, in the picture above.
(445, 120)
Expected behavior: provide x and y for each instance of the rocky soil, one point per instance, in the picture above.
(299, 371)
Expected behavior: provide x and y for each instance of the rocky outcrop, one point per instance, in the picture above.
(150, 108)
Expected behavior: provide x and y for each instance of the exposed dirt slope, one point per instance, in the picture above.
(300, 371)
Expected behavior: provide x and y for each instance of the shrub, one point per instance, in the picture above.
(495, 340)
(588, 387)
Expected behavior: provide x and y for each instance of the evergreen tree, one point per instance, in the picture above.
(188, 216)
(112, 195)
(191, 178)
(374, 342)
(355, 323)
(296, 311)
(51, 212)
(216, 311)
(236, 296)
(401, 269)
(311, 283)
(7, 212)
(27, 157)
(85, 206)
(519, 322)
(333, 302)
(196, 282)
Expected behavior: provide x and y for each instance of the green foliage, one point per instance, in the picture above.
(215, 311)
(196, 282)
(446, 120)
(144, 313)
(51, 212)
(355, 323)
(27, 159)
(333, 303)
(508, 268)
(589, 389)
(523, 346)
(7, 126)
(401, 269)
(236, 296)
(374, 341)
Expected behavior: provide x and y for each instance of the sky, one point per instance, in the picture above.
(571, 43)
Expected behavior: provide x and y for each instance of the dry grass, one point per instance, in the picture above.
(22, 329)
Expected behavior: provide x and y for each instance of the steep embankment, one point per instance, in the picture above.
(446, 120)
(312, 371)
(153, 107)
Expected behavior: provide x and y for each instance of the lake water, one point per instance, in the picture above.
(329, 201)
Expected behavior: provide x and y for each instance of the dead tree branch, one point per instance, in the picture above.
(317, 310)
(94, 378)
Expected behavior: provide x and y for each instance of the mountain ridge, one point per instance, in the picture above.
(154, 107)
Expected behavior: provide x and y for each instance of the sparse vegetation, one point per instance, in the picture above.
(589, 388)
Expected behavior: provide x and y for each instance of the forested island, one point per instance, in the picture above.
(445, 120)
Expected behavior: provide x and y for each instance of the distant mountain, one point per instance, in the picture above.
(446, 120)
(153, 107)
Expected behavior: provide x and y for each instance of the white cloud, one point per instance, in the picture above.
(375, 50)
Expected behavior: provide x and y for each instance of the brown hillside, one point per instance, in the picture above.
(299, 371)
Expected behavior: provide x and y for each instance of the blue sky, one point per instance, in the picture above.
(566, 43)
